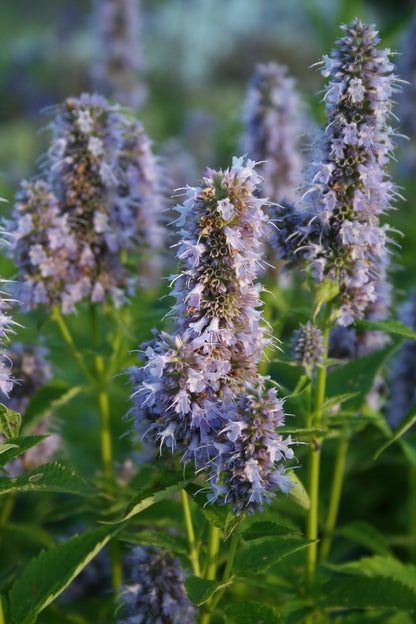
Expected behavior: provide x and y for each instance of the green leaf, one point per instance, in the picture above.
(251, 612)
(51, 572)
(394, 328)
(167, 484)
(357, 376)
(338, 399)
(231, 523)
(5, 608)
(322, 293)
(53, 477)
(10, 422)
(377, 583)
(265, 528)
(175, 545)
(298, 493)
(47, 399)
(258, 557)
(16, 446)
(214, 513)
(200, 590)
(408, 422)
(366, 535)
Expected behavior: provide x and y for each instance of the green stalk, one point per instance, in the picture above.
(211, 567)
(336, 490)
(193, 554)
(235, 540)
(102, 398)
(315, 459)
(2, 620)
(66, 334)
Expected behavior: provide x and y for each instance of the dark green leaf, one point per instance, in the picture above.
(258, 557)
(251, 612)
(408, 422)
(215, 514)
(51, 572)
(52, 477)
(5, 608)
(200, 590)
(358, 376)
(176, 545)
(17, 446)
(48, 398)
(231, 523)
(265, 529)
(368, 593)
(394, 328)
(10, 422)
(366, 535)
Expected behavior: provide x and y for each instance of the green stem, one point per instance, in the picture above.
(193, 554)
(412, 512)
(66, 334)
(2, 620)
(211, 567)
(315, 459)
(235, 540)
(102, 398)
(336, 490)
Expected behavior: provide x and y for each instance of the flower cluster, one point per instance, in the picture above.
(349, 188)
(272, 119)
(118, 62)
(190, 382)
(244, 473)
(402, 381)
(308, 347)
(92, 203)
(6, 322)
(156, 592)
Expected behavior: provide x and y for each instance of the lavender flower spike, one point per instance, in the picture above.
(273, 123)
(350, 188)
(156, 593)
(91, 205)
(308, 347)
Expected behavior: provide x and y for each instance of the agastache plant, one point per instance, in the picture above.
(350, 188)
(196, 391)
(90, 207)
(273, 122)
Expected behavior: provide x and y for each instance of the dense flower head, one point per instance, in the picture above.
(273, 123)
(308, 346)
(91, 203)
(119, 60)
(248, 468)
(192, 382)
(402, 379)
(350, 190)
(6, 327)
(156, 593)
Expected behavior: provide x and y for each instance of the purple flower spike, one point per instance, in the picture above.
(349, 188)
(273, 123)
(156, 593)
(308, 347)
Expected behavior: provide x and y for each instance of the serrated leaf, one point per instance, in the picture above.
(408, 422)
(366, 535)
(45, 400)
(298, 493)
(176, 545)
(10, 422)
(51, 572)
(167, 484)
(265, 528)
(54, 477)
(338, 399)
(394, 328)
(252, 612)
(258, 557)
(16, 446)
(322, 293)
(200, 590)
(368, 593)
(357, 376)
